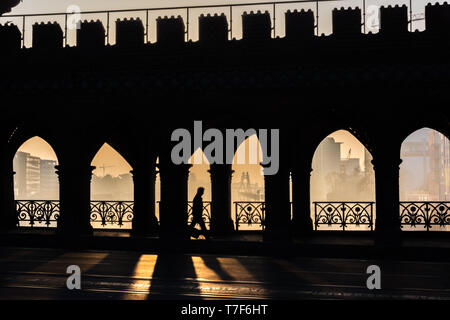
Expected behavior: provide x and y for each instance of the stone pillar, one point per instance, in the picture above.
(173, 206)
(302, 223)
(278, 207)
(75, 197)
(221, 222)
(144, 219)
(387, 223)
(8, 217)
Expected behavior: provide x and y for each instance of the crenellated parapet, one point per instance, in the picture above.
(394, 20)
(10, 37)
(256, 26)
(299, 24)
(213, 29)
(170, 30)
(47, 36)
(347, 22)
(129, 32)
(91, 35)
(437, 18)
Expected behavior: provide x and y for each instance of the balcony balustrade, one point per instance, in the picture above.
(427, 215)
(343, 215)
(249, 215)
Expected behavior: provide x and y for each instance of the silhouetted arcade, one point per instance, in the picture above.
(133, 94)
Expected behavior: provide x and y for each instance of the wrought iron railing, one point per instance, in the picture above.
(37, 213)
(343, 214)
(251, 214)
(206, 214)
(112, 214)
(276, 10)
(426, 214)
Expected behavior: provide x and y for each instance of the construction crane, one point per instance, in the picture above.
(104, 168)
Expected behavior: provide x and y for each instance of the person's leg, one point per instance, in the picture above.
(193, 232)
(204, 230)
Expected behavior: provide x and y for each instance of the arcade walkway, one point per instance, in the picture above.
(41, 274)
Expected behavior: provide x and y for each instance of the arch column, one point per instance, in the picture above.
(302, 223)
(221, 222)
(387, 224)
(8, 217)
(75, 197)
(144, 220)
(278, 207)
(174, 199)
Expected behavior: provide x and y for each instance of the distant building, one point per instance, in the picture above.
(20, 177)
(49, 186)
(109, 188)
(340, 179)
(326, 163)
(34, 178)
(327, 157)
(350, 166)
(425, 167)
(244, 190)
(28, 177)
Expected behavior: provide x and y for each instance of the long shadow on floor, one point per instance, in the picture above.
(172, 277)
(214, 264)
(26, 259)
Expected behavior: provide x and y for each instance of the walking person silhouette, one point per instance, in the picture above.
(197, 212)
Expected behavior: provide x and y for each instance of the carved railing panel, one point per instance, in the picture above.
(37, 213)
(250, 214)
(343, 214)
(425, 215)
(206, 214)
(112, 214)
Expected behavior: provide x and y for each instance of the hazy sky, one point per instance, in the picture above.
(38, 148)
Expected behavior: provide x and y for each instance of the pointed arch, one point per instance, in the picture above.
(199, 177)
(35, 173)
(341, 172)
(112, 190)
(424, 171)
(36, 184)
(247, 185)
(111, 178)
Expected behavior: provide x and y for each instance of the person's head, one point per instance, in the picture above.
(201, 191)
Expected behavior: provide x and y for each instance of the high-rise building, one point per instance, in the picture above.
(28, 177)
(438, 146)
(20, 177)
(327, 161)
(49, 184)
(35, 179)
(425, 167)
